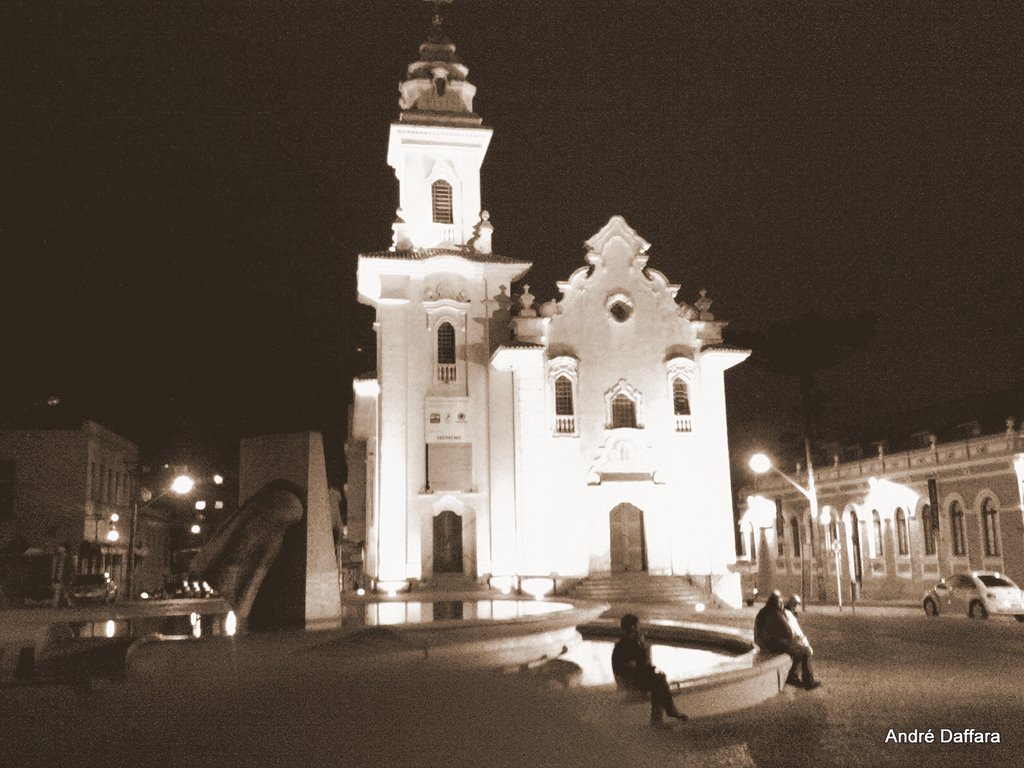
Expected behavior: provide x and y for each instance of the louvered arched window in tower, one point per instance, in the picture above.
(441, 200)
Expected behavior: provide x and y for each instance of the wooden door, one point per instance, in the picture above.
(628, 548)
(447, 543)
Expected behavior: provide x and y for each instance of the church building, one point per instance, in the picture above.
(518, 446)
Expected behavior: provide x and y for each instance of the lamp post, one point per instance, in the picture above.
(760, 463)
(826, 519)
(181, 485)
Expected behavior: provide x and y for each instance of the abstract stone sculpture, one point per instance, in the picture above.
(274, 559)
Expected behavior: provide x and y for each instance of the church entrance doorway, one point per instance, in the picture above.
(447, 543)
(628, 548)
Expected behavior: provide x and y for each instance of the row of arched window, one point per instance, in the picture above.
(930, 524)
(624, 406)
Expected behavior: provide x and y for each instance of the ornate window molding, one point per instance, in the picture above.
(563, 382)
(681, 373)
(623, 406)
(448, 340)
(619, 306)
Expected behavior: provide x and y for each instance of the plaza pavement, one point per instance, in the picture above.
(883, 668)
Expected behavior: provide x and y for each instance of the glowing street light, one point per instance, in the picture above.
(761, 463)
(181, 485)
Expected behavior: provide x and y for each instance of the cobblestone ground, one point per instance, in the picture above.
(882, 670)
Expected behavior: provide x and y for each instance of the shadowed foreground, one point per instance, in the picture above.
(880, 672)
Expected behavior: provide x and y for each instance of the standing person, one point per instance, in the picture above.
(633, 670)
(808, 681)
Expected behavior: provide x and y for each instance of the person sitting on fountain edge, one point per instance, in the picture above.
(633, 670)
(774, 633)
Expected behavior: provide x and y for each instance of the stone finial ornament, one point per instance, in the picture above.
(703, 304)
(481, 239)
(526, 303)
(400, 239)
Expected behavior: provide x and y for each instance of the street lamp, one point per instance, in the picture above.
(761, 463)
(181, 485)
(826, 520)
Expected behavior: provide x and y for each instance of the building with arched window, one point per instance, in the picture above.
(502, 442)
(935, 510)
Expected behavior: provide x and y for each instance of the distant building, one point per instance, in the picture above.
(69, 487)
(589, 440)
(900, 518)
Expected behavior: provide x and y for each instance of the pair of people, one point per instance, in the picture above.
(633, 670)
(777, 630)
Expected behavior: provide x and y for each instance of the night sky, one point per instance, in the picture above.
(186, 186)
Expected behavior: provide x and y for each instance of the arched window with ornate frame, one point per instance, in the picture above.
(563, 378)
(623, 406)
(447, 371)
(680, 378)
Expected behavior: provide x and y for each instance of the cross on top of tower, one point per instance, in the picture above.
(438, 20)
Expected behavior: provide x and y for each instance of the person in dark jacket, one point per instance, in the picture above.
(633, 670)
(773, 634)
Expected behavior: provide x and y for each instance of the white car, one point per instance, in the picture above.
(978, 593)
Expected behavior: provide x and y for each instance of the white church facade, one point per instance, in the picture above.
(520, 446)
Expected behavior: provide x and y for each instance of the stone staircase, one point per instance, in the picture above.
(451, 582)
(639, 588)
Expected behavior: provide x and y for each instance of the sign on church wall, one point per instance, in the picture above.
(447, 420)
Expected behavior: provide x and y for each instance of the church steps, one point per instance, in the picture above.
(639, 588)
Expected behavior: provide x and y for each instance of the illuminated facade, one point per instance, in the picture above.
(512, 444)
(901, 520)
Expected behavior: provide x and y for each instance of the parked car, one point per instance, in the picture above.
(978, 593)
(92, 588)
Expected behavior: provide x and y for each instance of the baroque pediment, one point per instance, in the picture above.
(617, 250)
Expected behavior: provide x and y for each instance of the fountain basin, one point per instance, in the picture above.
(743, 677)
(530, 632)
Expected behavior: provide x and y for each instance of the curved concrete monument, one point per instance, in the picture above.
(274, 560)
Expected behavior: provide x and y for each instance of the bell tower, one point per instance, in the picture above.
(436, 148)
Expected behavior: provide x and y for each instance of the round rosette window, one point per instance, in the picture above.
(620, 307)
